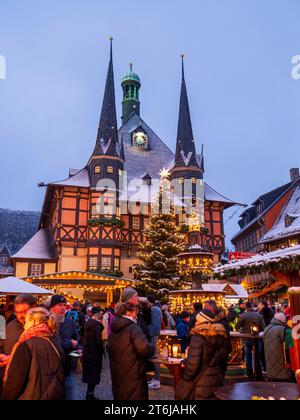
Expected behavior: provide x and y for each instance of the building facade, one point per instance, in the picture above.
(258, 219)
(93, 221)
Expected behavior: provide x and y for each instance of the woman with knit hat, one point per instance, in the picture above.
(203, 372)
(35, 368)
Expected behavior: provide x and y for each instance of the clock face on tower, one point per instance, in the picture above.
(140, 139)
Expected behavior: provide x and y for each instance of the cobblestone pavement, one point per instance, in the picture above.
(103, 391)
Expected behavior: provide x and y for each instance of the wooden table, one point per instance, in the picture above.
(174, 366)
(257, 370)
(246, 391)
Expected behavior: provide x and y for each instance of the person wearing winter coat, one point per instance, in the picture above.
(35, 371)
(128, 351)
(183, 329)
(154, 329)
(14, 330)
(68, 338)
(203, 372)
(266, 312)
(245, 324)
(274, 344)
(92, 353)
(170, 324)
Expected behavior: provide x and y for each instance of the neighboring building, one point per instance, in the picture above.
(6, 267)
(271, 225)
(286, 231)
(74, 236)
(259, 219)
(16, 228)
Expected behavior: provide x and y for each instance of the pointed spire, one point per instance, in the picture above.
(185, 147)
(107, 138)
(182, 59)
(202, 166)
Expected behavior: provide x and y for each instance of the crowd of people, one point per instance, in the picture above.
(44, 342)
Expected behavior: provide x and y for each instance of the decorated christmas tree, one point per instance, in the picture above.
(159, 271)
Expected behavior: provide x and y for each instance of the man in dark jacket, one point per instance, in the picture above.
(154, 329)
(182, 327)
(128, 352)
(77, 317)
(67, 337)
(92, 352)
(246, 323)
(266, 312)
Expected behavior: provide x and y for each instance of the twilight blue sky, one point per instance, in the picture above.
(244, 102)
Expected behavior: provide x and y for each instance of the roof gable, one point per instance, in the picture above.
(292, 211)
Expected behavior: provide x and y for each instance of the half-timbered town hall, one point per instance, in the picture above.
(82, 250)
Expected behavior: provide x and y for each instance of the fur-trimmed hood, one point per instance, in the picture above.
(220, 316)
(210, 330)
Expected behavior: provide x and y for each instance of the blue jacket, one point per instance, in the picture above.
(156, 319)
(182, 328)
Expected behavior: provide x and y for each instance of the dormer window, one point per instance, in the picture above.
(289, 220)
(97, 169)
(259, 209)
(147, 179)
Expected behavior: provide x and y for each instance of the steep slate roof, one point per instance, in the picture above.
(4, 251)
(280, 230)
(16, 228)
(39, 247)
(185, 145)
(268, 200)
(107, 137)
(140, 162)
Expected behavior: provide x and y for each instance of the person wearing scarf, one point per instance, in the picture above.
(34, 371)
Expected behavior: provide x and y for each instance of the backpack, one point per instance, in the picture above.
(74, 317)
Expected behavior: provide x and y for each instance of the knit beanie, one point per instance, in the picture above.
(280, 317)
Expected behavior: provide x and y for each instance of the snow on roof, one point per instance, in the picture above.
(292, 210)
(139, 162)
(80, 179)
(15, 286)
(38, 247)
(212, 195)
(259, 260)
